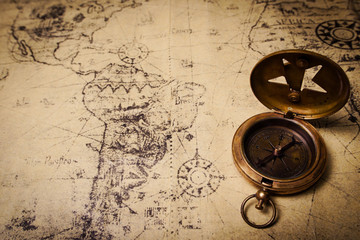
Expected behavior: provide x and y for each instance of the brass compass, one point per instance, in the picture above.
(279, 151)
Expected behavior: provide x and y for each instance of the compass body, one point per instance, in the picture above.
(279, 154)
(279, 151)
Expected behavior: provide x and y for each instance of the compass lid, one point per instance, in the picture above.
(307, 84)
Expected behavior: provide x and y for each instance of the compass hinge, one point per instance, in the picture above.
(289, 114)
(266, 182)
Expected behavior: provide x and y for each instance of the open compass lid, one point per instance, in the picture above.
(304, 83)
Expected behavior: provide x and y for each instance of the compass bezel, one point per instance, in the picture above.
(279, 186)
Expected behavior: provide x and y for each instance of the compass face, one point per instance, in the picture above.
(280, 154)
(277, 152)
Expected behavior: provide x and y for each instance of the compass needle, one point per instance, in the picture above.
(265, 160)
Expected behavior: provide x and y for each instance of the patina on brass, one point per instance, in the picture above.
(305, 153)
(263, 197)
(292, 65)
(316, 158)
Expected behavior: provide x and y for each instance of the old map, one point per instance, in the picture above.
(117, 117)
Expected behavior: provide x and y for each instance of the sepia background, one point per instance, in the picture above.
(117, 118)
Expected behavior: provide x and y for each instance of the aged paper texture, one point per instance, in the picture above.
(117, 117)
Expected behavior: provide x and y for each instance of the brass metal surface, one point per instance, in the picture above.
(287, 185)
(280, 152)
(305, 102)
(263, 197)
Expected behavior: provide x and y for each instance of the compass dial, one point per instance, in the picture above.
(277, 152)
(280, 154)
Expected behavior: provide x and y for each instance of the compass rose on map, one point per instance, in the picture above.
(199, 177)
(133, 52)
(344, 34)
